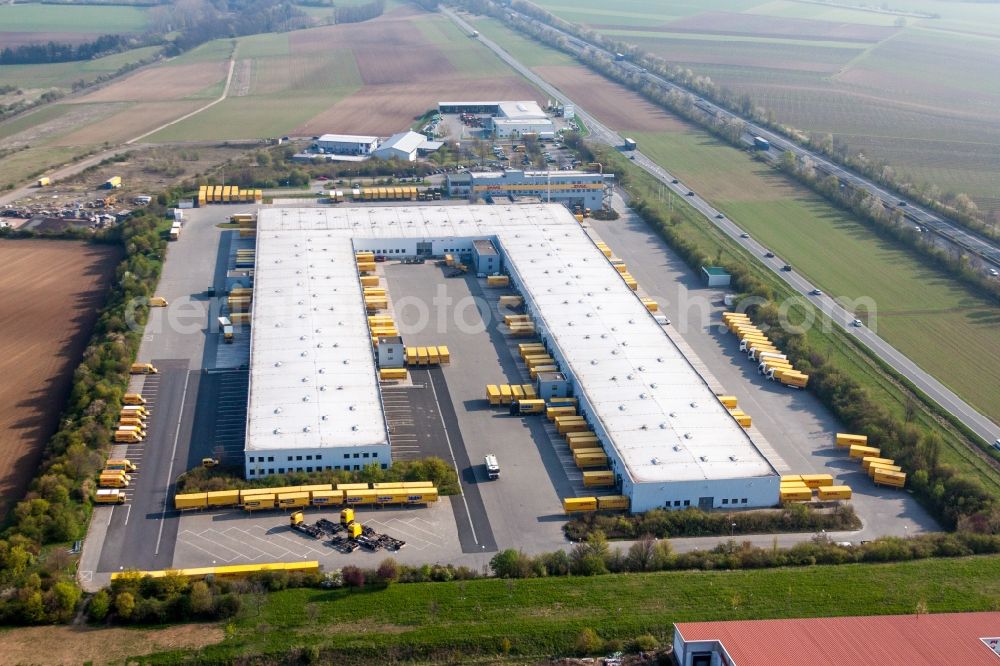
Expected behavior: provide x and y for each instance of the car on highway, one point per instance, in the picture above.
(675, 181)
(901, 203)
(994, 272)
(786, 267)
(816, 292)
(690, 193)
(857, 323)
(769, 254)
(719, 216)
(746, 235)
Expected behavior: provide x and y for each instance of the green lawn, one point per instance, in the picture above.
(470, 621)
(63, 74)
(945, 328)
(529, 52)
(72, 18)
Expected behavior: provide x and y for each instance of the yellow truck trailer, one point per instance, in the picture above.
(845, 439)
(817, 480)
(613, 503)
(859, 452)
(109, 496)
(497, 281)
(493, 394)
(579, 504)
(598, 478)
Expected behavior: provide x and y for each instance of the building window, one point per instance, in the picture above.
(289, 458)
(734, 500)
(357, 467)
(309, 469)
(298, 457)
(687, 502)
(677, 502)
(365, 455)
(346, 455)
(270, 471)
(374, 455)
(319, 456)
(336, 466)
(270, 459)
(384, 466)
(357, 455)
(251, 458)
(251, 472)
(298, 469)
(743, 501)
(328, 468)
(309, 457)
(281, 470)
(725, 501)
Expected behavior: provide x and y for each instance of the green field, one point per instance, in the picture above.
(71, 18)
(808, 233)
(469, 621)
(527, 51)
(920, 94)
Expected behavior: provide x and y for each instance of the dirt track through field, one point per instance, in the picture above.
(50, 292)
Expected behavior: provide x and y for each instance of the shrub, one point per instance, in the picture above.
(353, 576)
(588, 642)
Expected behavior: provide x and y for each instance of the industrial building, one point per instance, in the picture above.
(571, 188)
(345, 144)
(970, 639)
(406, 146)
(314, 391)
(507, 119)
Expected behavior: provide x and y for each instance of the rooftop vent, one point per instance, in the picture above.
(703, 458)
(277, 410)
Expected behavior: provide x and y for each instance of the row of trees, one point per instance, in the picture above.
(58, 503)
(957, 206)
(359, 13)
(426, 469)
(692, 522)
(48, 52)
(595, 556)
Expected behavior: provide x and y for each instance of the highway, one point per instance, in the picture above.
(986, 249)
(935, 390)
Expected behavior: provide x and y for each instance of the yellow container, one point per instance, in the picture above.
(817, 480)
(392, 373)
(579, 504)
(877, 468)
(354, 497)
(868, 461)
(897, 479)
(191, 501)
(534, 372)
(791, 478)
(133, 399)
(529, 391)
(599, 478)
(650, 304)
(506, 395)
(834, 492)
(613, 503)
(858, 451)
(327, 497)
(497, 281)
(560, 410)
(493, 394)
(728, 401)
(421, 495)
(221, 498)
(257, 502)
(573, 426)
(353, 486)
(845, 439)
(795, 495)
(411, 356)
(418, 484)
(591, 460)
(444, 355)
(510, 301)
(432, 356)
(534, 361)
(423, 358)
(369, 280)
(517, 393)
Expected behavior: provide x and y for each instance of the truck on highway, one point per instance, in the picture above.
(492, 467)
(630, 144)
(760, 143)
(619, 57)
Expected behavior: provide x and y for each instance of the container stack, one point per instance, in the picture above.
(883, 471)
(770, 361)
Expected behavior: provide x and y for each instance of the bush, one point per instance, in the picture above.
(588, 642)
(354, 576)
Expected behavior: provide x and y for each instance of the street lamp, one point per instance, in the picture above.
(732, 530)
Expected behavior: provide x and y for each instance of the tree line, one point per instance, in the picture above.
(359, 13)
(32, 54)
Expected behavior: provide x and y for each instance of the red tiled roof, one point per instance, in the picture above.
(911, 640)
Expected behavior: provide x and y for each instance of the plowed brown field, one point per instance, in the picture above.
(387, 109)
(166, 83)
(609, 102)
(50, 292)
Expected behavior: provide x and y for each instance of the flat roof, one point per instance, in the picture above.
(528, 120)
(523, 110)
(347, 138)
(405, 141)
(882, 640)
(539, 175)
(660, 414)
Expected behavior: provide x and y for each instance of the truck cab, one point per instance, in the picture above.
(492, 467)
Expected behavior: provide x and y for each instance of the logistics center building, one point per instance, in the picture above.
(573, 188)
(507, 119)
(314, 392)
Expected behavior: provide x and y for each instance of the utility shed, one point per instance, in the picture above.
(714, 276)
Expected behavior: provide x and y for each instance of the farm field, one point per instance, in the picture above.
(357, 78)
(34, 23)
(461, 621)
(52, 291)
(921, 94)
(808, 233)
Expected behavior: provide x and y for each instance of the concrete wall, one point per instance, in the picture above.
(322, 458)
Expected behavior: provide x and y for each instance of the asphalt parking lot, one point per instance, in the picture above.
(796, 425)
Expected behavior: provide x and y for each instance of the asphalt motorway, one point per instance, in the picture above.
(935, 390)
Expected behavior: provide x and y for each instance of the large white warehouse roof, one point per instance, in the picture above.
(660, 415)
